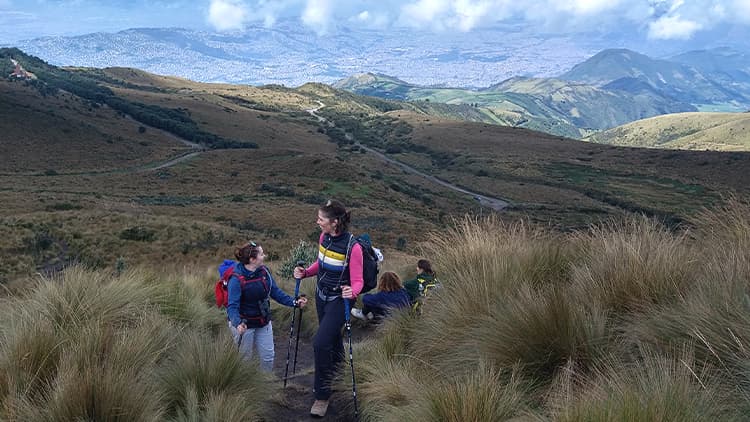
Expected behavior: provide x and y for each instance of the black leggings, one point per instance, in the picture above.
(328, 344)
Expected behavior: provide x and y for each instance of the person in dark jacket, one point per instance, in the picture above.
(420, 286)
(339, 271)
(423, 282)
(391, 295)
(250, 289)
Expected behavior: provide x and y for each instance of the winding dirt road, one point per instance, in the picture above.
(496, 204)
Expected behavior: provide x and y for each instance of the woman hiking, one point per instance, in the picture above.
(391, 295)
(339, 278)
(249, 309)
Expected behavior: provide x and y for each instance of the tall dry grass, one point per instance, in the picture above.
(629, 266)
(142, 346)
(656, 388)
(624, 321)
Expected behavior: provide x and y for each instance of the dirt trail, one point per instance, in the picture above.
(293, 403)
(495, 203)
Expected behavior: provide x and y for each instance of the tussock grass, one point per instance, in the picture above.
(542, 332)
(482, 264)
(631, 265)
(388, 375)
(624, 321)
(198, 371)
(88, 345)
(95, 393)
(656, 389)
(481, 395)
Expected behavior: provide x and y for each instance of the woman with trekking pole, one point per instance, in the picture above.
(339, 281)
(250, 289)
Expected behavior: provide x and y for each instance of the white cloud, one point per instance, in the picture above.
(586, 7)
(740, 10)
(317, 15)
(470, 13)
(424, 13)
(371, 20)
(226, 15)
(364, 16)
(673, 28)
(659, 19)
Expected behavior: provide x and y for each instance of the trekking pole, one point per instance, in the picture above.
(289, 346)
(351, 357)
(296, 345)
(291, 329)
(299, 325)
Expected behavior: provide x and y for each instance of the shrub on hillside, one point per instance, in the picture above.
(138, 234)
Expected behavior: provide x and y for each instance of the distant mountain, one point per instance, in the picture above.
(722, 62)
(693, 131)
(588, 106)
(627, 70)
(378, 85)
(549, 105)
(292, 54)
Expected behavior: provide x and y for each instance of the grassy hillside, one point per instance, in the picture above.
(619, 322)
(549, 105)
(691, 131)
(99, 190)
(82, 185)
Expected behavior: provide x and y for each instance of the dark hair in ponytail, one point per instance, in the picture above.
(425, 266)
(334, 210)
(246, 252)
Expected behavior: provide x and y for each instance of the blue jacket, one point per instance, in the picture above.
(246, 300)
(380, 303)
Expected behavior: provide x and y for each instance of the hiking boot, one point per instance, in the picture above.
(357, 313)
(319, 408)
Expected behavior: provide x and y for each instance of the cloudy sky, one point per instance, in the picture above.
(651, 20)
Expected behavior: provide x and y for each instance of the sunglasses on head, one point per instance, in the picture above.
(253, 244)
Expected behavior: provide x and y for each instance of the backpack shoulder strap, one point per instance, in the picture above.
(346, 257)
(268, 287)
(227, 274)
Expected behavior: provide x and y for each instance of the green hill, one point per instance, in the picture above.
(548, 105)
(586, 106)
(693, 131)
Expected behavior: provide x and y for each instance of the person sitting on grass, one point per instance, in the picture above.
(419, 286)
(391, 295)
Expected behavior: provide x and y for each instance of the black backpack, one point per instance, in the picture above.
(370, 261)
